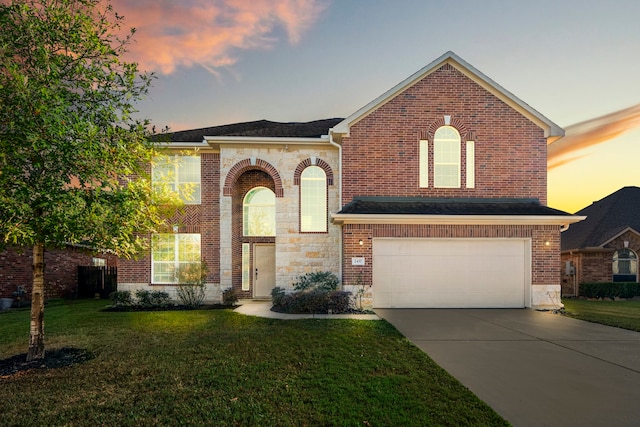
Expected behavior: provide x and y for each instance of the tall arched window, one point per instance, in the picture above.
(625, 266)
(259, 213)
(313, 200)
(446, 157)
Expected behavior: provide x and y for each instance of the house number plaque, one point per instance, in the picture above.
(357, 260)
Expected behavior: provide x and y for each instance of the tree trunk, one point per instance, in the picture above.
(36, 333)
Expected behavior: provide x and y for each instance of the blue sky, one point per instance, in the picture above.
(301, 60)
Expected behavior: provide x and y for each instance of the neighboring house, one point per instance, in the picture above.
(61, 270)
(432, 195)
(605, 246)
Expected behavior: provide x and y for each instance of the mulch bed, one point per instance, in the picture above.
(58, 358)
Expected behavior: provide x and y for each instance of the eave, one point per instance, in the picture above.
(563, 221)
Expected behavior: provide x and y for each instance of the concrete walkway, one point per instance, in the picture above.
(534, 368)
(263, 309)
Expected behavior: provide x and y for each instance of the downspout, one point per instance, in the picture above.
(339, 147)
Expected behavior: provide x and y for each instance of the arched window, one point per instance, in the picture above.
(625, 266)
(313, 200)
(446, 157)
(259, 213)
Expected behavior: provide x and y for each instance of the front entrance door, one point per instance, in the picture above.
(264, 269)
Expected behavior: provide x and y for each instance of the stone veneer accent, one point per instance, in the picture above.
(296, 253)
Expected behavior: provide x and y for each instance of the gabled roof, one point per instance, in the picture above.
(551, 130)
(606, 218)
(429, 210)
(259, 129)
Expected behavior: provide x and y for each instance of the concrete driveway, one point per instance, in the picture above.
(533, 368)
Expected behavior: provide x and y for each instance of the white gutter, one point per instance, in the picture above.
(339, 147)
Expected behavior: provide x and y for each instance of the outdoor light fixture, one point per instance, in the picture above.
(361, 242)
(547, 243)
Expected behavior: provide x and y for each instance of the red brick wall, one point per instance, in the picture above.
(381, 153)
(544, 258)
(203, 219)
(61, 270)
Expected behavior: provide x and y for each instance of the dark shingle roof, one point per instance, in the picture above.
(259, 128)
(447, 206)
(605, 218)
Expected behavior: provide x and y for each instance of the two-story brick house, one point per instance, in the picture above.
(432, 195)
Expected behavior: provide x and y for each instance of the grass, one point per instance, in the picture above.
(622, 314)
(217, 367)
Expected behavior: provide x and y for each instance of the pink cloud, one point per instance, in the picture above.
(210, 33)
(591, 132)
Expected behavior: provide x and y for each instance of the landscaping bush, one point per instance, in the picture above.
(191, 284)
(152, 299)
(322, 281)
(121, 298)
(229, 297)
(609, 290)
(314, 301)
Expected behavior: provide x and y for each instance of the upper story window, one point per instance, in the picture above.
(625, 266)
(180, 174)
(446, 158)
(259, 212)
(174, 256)
(313, 200)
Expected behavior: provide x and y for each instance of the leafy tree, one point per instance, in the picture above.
(68, 138)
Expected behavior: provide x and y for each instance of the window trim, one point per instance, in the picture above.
(173, 179)
(176, 255)
(325, 200)
(452, 143)
(632, 258)
(245, 223)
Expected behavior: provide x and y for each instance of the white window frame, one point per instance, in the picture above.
(631, 259)
(181, 174)
(446, 156)
(175, 262)
(249, 209)
(471, 164)
(313, 200)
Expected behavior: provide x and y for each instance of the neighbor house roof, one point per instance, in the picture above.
(606, 218)
(551, 130)
(259, 129)
(428, 210)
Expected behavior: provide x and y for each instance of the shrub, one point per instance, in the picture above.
(191, 284)
(121, 298)
(314, 301)
(152, 299)
(322, 280)
(229, 297)
(609, 290)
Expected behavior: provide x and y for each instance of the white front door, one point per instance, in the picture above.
(264, 269)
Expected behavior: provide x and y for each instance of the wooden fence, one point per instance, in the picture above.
(94, 281)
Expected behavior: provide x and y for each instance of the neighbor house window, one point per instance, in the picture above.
(625, 266)
(313, 200)
(173, 255)
(178, 174)
(446, 158)
(259, 213)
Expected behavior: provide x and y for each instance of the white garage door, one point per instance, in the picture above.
(448, 273)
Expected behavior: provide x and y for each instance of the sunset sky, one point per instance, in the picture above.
(575, 61)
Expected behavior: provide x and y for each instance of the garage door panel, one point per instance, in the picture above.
(450, 273)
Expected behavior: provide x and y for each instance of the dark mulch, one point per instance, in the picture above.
(169, 308)
(58, 358)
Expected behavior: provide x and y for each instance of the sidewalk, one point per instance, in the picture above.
(263, 309)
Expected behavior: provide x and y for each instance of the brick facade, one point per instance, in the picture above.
(61, 270)
(510, 150)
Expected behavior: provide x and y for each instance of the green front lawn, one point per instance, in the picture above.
(622, 314)
(216, 367)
